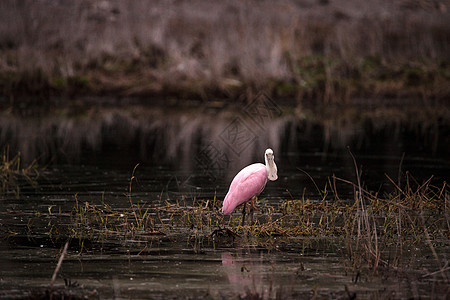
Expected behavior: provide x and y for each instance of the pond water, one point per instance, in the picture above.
(298, 268)
(193, 155)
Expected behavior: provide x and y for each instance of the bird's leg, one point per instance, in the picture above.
(252, 208)
(253, 202)
(243, 215)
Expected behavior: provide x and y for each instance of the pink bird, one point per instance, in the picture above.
(249, 183)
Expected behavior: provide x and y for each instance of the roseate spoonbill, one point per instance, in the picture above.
(249, 183)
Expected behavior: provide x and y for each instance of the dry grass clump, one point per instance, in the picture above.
(308, 49)
(12, 170)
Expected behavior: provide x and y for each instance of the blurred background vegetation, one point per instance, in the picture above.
(319, 51)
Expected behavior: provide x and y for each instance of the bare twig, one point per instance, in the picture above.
(320, 193)
(58, 266)
(443, 269)
(400, 173)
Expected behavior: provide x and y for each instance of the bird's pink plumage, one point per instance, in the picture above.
(249, 182)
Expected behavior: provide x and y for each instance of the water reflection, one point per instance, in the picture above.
(220, 143)
(245, 276)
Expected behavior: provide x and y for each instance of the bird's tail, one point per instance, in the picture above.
(227, 208)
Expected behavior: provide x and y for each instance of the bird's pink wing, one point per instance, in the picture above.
(249, 182)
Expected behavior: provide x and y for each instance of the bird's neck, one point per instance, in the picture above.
(271, 168)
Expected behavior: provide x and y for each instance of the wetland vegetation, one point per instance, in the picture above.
(123, 123)
(307, 50)
(378, 235)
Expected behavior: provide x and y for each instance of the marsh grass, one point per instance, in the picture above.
(313, 50)
(378, 229)
(12, 170)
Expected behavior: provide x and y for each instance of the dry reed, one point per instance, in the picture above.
(318, 50)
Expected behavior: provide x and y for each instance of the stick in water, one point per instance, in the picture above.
(58, 266)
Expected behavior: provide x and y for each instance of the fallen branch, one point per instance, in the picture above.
(58, 266)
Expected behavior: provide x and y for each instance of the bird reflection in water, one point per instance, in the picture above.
(244, 275)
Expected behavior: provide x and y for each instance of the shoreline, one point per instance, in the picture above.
(405, 85)
(32, 106)
(322, 52)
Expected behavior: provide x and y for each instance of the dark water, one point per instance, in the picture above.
(194, 155)
(204, 148)
(297, 269)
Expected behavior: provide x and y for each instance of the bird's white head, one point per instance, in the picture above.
(270, 165)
